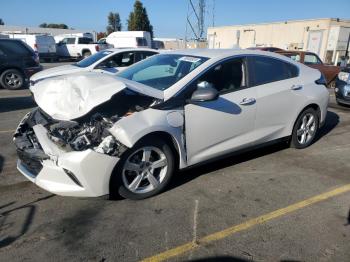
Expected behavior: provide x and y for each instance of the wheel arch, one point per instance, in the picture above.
(314, 106)
(170, 140)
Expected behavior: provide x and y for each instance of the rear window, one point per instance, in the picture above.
(14, 47)
(267, 70)
(141, 41)
(84, 40)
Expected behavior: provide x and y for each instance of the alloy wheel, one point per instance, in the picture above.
(13, 80)
(144, 170)
(307, 129)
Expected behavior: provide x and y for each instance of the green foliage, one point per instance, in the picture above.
(114, 23)
(1, 22)
(138, 19)
(60, 26)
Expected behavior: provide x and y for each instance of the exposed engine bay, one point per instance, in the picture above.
(87, 132)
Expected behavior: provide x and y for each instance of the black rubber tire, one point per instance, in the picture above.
(117, 187)
(294, 139)
(12, 71)
(86, 54)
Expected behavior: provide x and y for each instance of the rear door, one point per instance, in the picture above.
(278, 90)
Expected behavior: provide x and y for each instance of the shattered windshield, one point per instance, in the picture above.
(92, 59)
(162, 71)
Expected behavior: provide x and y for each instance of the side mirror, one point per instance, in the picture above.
(60, 43)
(204, 94)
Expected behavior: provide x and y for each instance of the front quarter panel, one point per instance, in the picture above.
(131, 129)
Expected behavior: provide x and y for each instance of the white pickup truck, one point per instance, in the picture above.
(78, 47)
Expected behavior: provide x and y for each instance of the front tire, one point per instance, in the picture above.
(12, 79)
(144, 170)
(305, 129)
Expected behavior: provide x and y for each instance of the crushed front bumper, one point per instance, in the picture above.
(75, 173)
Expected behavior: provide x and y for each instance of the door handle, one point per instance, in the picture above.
(296, 87)
(247, 101)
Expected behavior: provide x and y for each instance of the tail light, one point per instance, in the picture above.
(97, 48)
(321, 81)
(36, 57)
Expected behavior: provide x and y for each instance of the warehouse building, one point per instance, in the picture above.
(8, 29)
(328, 37)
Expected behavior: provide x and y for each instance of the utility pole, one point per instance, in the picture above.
(347, 47)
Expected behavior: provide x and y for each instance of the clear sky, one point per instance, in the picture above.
(168, 17)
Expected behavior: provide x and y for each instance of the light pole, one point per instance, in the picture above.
(251, 30)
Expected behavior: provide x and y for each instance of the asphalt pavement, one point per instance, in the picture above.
(272, 204)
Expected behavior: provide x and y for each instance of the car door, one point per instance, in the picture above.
(278, 90)
(214, 128)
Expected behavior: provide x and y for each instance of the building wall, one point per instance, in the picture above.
(299, 34)
(39, 30)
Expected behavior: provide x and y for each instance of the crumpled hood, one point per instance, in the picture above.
(71, 96)
(56, 71)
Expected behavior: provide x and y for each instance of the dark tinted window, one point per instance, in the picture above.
(141, 41)
(84, 40)
(226, 77)
(14, 47)
(266, 70)
(119, 60)
(143, 55)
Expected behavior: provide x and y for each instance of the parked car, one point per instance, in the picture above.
(96, 134)
(17, 63)
(78, 47)
(342, 87)
(44, 45)
(124, 39)
(265, 48)
(103, 41)
(109, 61)
(311, 59)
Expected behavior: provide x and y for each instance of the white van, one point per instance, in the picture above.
(134, 39)
(44, 45)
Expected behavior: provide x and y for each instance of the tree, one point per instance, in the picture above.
(114, 23)
(60, 26)
(1, 22)
(138, 19)
(101, 35)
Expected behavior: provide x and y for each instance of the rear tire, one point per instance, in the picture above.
(144, 170)
(305, 129)
(12, 79)
(86, 54)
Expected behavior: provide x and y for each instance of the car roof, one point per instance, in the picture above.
(221, 53)
(117, 50)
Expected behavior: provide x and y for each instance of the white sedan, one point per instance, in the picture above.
(109, 61)
(127, 134)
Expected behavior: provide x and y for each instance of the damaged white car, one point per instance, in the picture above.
(94, 134)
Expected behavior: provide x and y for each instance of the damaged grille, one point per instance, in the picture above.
(33, 165)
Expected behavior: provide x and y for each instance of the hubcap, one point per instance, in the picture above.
(144, 170)
(306, 129)
(13, 80)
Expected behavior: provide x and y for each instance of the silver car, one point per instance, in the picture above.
(96, 134)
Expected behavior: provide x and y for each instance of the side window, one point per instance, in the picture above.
(266, 70)
(311, 59)
(14, 47)
(119, 60)
(84, 40)
(143, 55)
(226, 77)
(68, 41)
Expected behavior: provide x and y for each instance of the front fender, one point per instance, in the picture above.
(131, 129)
